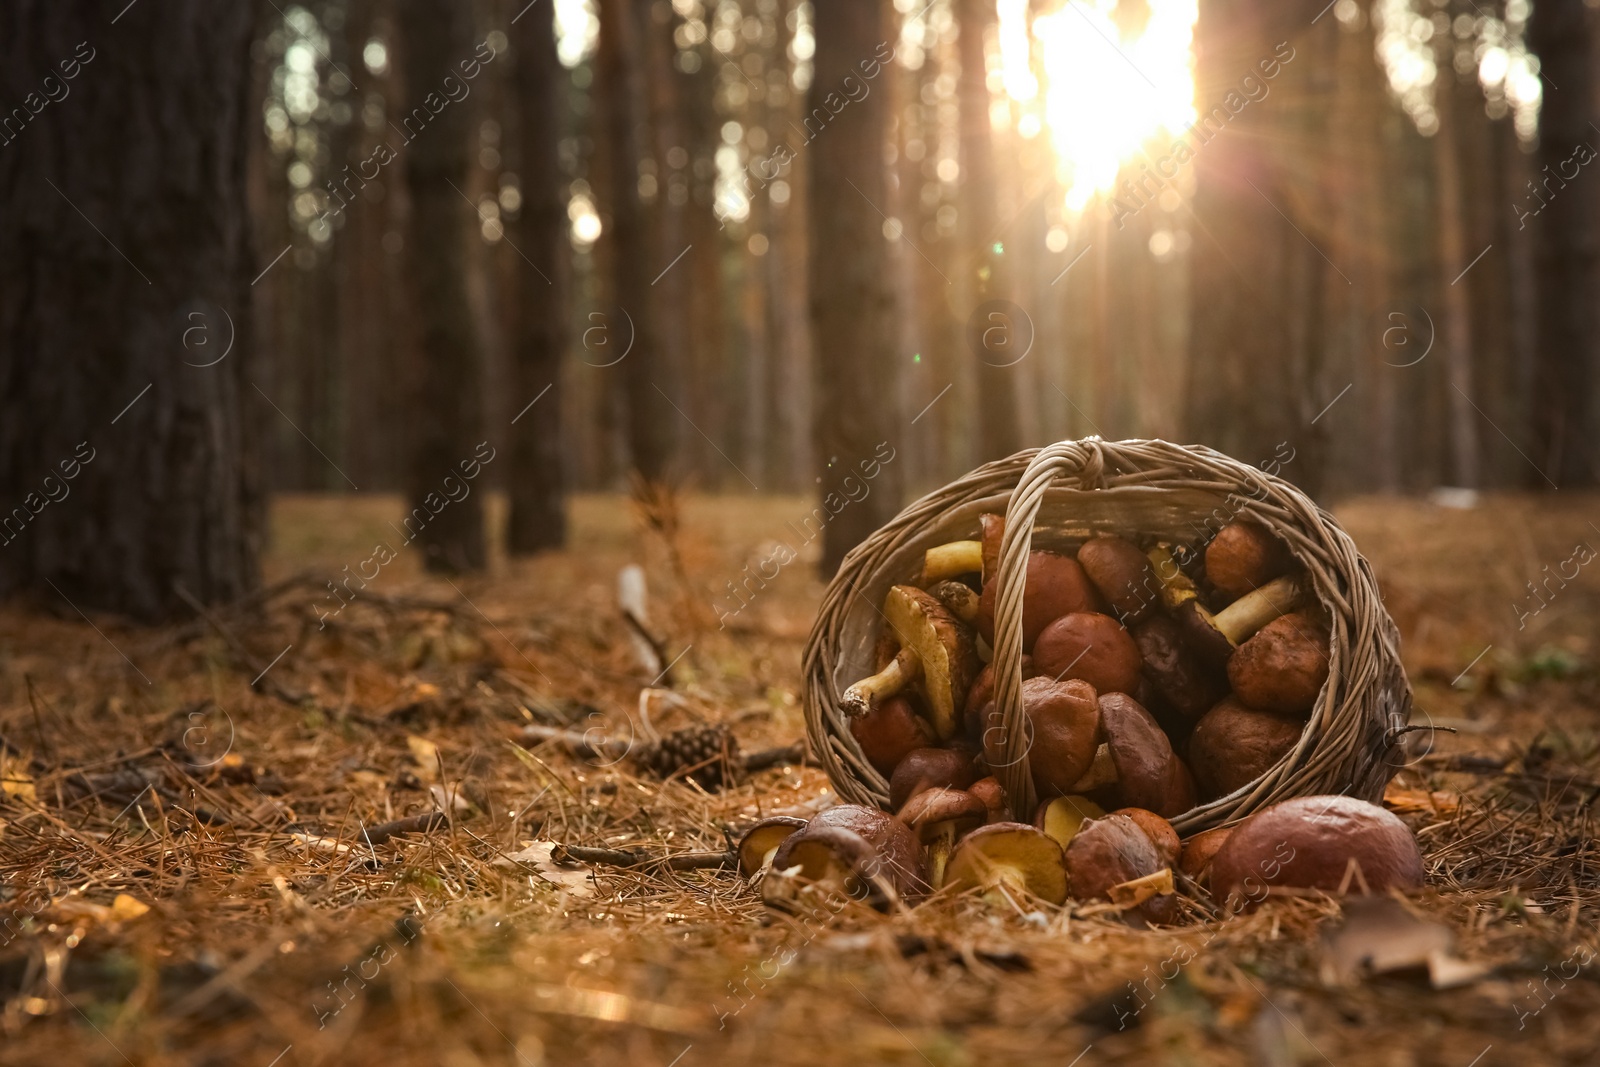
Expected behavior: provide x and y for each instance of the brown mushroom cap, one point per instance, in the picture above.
(1310, 842)
(930, 809)
(849, 841)
(1233, 745)
(890, 731)
(982, 693)
(1198, 851)
(1149, 774)
(1064, 718)
(1283, 667)
(1011, 856)
(1063, 817)
(1158, 830)
(1054, 585)
(929, 768)
(761, 841)
(1123, 575)
(1213, 637)
(1177, 676)
(944, 647)
(1092, 647)
(1112, 850)
(1243, 556)
(997, 805)
(958, 598)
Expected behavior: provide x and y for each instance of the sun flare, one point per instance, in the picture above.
(1101, 80)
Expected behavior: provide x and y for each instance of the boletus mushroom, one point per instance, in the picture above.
(1283, 667)
(1159, 831)
(761, 841)
(1091, 647)
(1009, 861)
(1313, 843)
(889, 732)
(1149, 773)
(944, 647)
(940, 817)
(929, 768)
(1110, 852)
(1244, 556)
(1233, 745)
(982, 692)
(1053, 585)
(958, 598)
(1123, 576)
(996, 804)
(1063, 817)
(864, 696)
(1214, 636)
(853, 850)
(1194, 859)
(1173, 672)
(951, 560)
(1064, 718)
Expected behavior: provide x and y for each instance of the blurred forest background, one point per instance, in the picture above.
(737, 244)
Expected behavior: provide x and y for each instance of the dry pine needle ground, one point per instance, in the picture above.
(198, 871)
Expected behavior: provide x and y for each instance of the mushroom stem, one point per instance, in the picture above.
(1102, 772)
(1251, 612)
(1176, 586)
(948, 561)
(958, 598)
(868, 693)
(939, 850)
(1006, 885)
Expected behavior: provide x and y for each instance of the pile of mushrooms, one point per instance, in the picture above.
(1156, 676)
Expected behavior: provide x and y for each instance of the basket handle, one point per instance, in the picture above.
(1077, 464)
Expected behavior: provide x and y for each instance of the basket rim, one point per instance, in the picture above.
(1350, 740)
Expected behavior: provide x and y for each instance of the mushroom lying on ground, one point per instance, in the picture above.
(864, 696)
(1313, 843)
(853, 850)
(943, 646)
(1214, 636)
(1194, 859)
(761, 841)
(929, 768)
(951, 561)
(889, 732)
(1009, 861)
(1233, 745)
(1283, 667)
(1149, 774)
(1063, 817)
(940, 817)
(1108, 853)
(1243, 556)
(1092, 647)
(1122, 574)
(1064, 718)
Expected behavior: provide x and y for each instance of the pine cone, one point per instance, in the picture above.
(711, 750)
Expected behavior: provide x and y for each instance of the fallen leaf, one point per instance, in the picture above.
(536, 854)
(1415, 801)
(426, 755)
(16, 781)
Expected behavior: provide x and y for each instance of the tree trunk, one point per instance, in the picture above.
(852, 294)
(446, 406)
(538, 515)
(651, 421)
(126, 414)
(1566, 249)
(1455, 323)
(987, 273)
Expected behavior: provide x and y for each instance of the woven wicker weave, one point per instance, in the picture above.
(1057, 497)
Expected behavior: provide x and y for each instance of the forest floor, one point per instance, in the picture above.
(189, 875)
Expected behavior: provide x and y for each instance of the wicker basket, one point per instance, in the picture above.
(1056, 497)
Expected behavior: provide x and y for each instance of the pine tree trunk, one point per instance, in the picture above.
(127, 422)
(544, 287)
(1566, 233)
(446, 403)
(852, 288)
